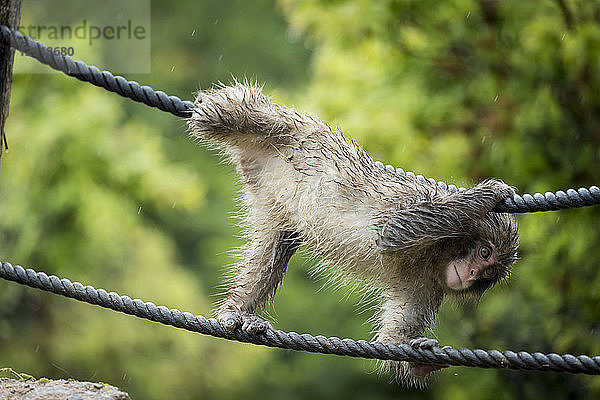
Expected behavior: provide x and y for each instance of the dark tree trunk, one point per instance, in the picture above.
(10, 15)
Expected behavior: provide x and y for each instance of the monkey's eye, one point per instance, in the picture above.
(485, 252)
(489, 272)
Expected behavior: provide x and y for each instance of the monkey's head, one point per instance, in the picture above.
(486, 256)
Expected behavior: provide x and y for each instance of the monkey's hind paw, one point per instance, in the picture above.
(249, 323)
(424, 343)
(254, 324)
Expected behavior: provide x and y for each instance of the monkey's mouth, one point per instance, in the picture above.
(458, 276)
(454, 279)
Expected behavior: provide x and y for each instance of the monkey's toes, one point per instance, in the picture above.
(250, 323)
(230, 320)
(424, 343)
(254, 324)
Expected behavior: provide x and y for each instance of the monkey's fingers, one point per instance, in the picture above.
(420, 369)
(496, 188)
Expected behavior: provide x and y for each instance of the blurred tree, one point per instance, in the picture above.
(73, 194)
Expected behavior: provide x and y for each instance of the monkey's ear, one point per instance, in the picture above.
(419, 226)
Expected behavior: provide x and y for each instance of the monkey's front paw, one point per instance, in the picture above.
(419, 369)
(250, 323)
(500, 189)
(410, 374)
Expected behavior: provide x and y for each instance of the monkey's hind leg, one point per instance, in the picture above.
(259, 274)
(406, 312)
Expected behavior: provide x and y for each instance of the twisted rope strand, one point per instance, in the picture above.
(304, 342)
(521, 203)
(93, 75)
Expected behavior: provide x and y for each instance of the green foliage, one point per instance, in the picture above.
(111, 193)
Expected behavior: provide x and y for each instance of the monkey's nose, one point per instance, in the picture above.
(472, 274)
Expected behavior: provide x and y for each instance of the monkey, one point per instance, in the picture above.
(305, 184)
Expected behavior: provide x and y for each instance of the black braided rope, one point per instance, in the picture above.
(305, 342)
(518, 204)
(86, 73)
(525, 203)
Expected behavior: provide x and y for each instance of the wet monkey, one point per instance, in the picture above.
(305, 184)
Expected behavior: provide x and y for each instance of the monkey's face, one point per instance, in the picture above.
(486, 260)
(479, 264)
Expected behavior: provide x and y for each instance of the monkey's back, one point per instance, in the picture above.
(300, 175)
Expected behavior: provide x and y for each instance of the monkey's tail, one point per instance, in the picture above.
(239, 113)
